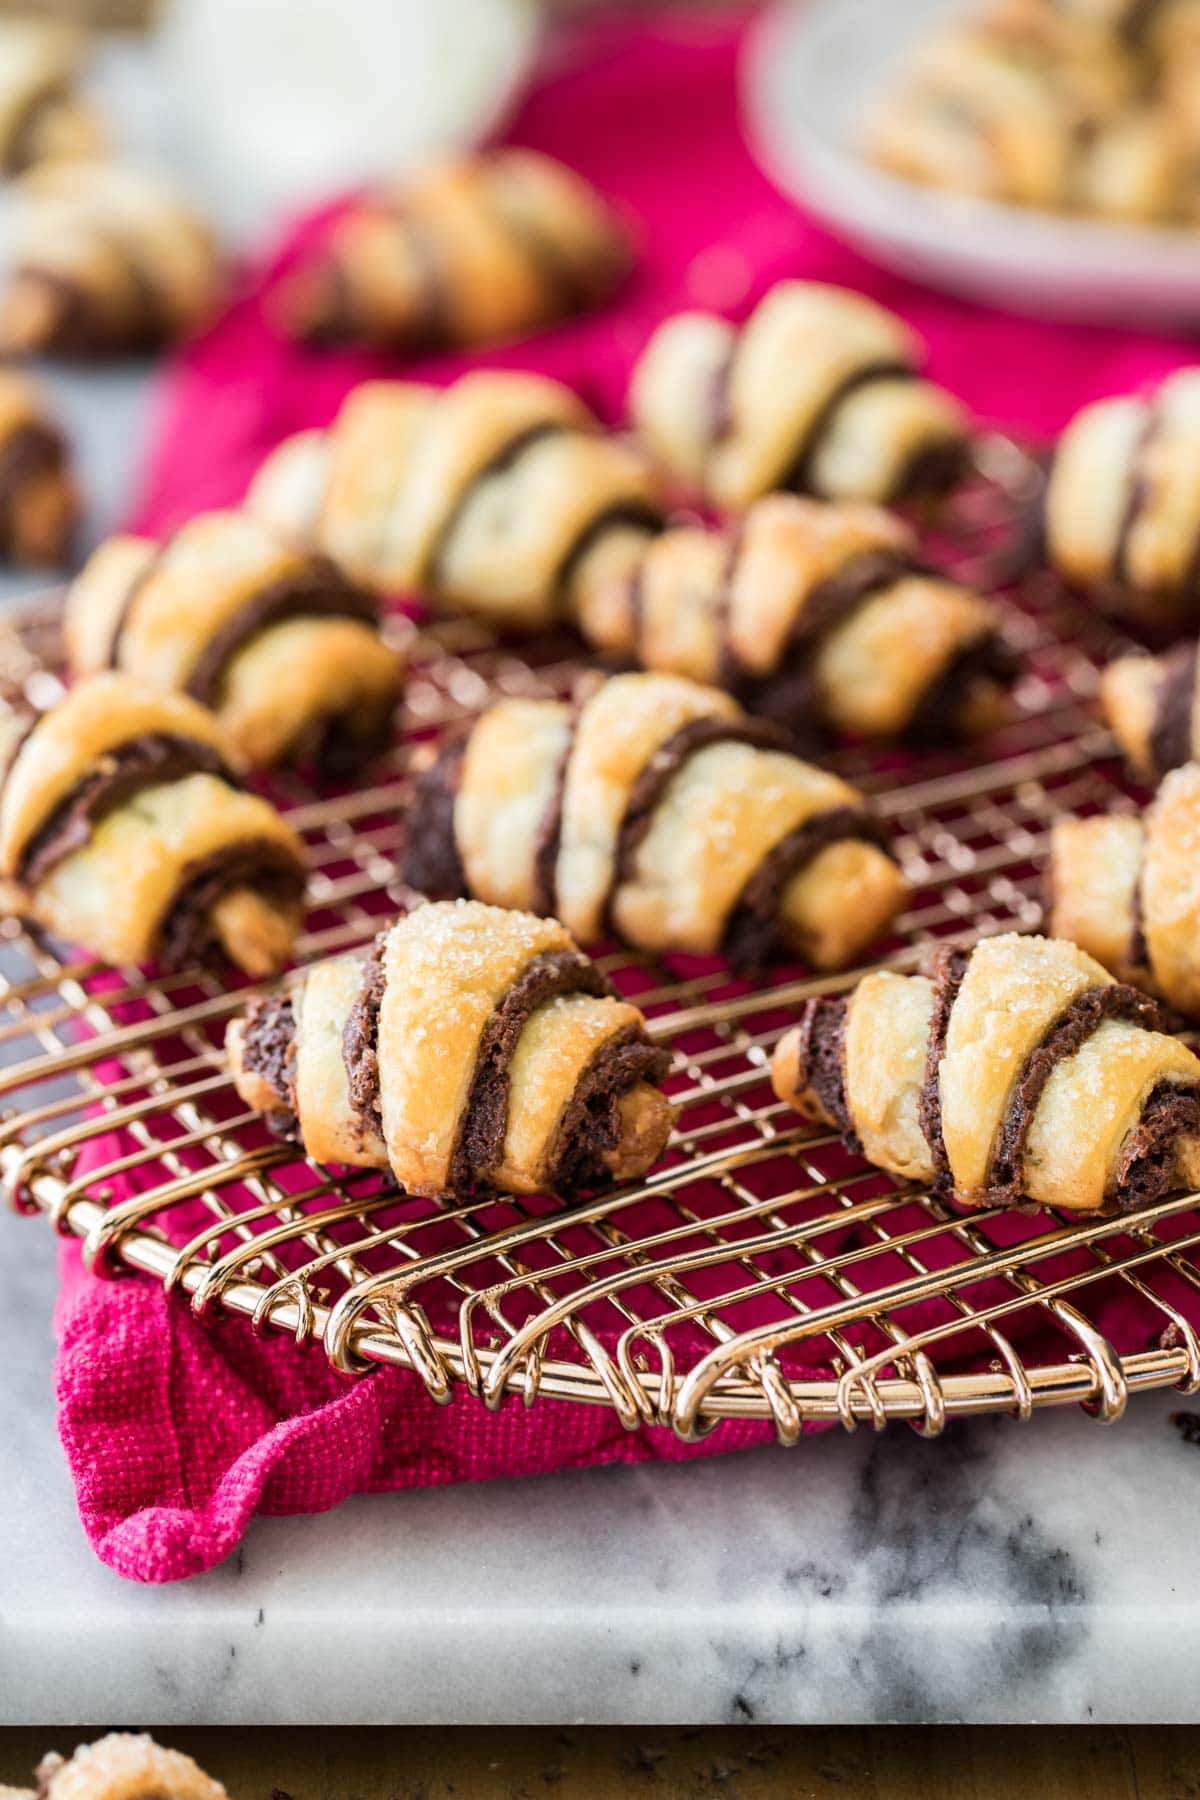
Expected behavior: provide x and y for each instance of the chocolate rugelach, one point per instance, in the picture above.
(125, 829)
(469, 1048)
(1082, 1101)
(1123, 887)
(277, 640)
(820, 616)
(698, 829)
(555, 247)
(1149, 703)
(1122, 516)
(39, 502)
(817, 392)
(485, 497)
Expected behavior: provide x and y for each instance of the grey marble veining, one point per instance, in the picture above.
(1043, 1572)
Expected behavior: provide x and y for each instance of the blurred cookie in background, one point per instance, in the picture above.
(39, 499)
(108, 258)
(43, 116)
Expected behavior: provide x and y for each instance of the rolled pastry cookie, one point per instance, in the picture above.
(817, 393)
(471, 1047)
(1122, 509)
(658, 812)
(1127, 890)
(108, 258)
(124, 829)
(1150, 703)
(274, 638)
(480, 496)
(1016, 1070)
(491, 247)
(817, 614)
(39, 501)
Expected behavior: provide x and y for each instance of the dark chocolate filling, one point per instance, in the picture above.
(549, 835)
(590, 1124)
(317, 591)
(29, 453)
(485, 1118)
(269, 1050)
(360, 1040)
(185, 935)
(1139, 950)
(432, 863)
(932, 469)
(938, 714)
(752, 932)
(798, 477)
(822, 1061)
(1136, 498)
(1146, 1170)
(946, 969)
(622, 512)
(143, 762)
(656, 775)
(1085, 1014)
(1171, 732)
(429, 575)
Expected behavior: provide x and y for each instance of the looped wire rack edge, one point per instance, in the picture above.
(760, 1272)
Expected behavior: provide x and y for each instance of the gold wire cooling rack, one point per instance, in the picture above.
(760, 1272)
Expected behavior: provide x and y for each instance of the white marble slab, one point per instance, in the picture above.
(1044, 1572)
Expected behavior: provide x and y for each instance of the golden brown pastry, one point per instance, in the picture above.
(492, 247)
(39, 502)
(817, 393)
(42, 117)
(1127, 890)
(813, 613)
(1025, 105)
(1014, 1070)
(124, 1767)
(657, 811)
(123, 829)
(1150, 703)
(1122, 511)
(108, 258)
(480, 496)
(471, 1047)
(281, 645)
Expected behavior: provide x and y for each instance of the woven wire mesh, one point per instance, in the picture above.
(760, 1271)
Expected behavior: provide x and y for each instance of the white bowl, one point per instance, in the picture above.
(811, 73)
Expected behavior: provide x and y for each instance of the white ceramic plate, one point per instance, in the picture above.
(810, 75)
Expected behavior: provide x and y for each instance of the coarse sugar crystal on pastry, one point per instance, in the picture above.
(1014, 1070)
(817, 392)
(470, 1046)
(125, 830)
(272, 636)
(490, 247)
(655, 810)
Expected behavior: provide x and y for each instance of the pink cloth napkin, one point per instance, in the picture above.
(176, 1432)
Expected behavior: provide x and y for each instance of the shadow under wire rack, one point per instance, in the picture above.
(760, 1272)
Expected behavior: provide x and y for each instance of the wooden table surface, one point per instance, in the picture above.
(678, 1763)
